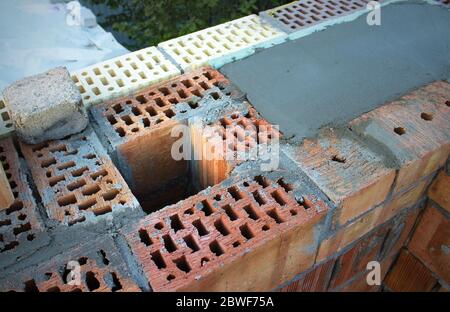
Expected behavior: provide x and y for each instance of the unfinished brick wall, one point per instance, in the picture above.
(100, 268)
(138, 128)
(338, 200)
(346, 271)
(255, 227)
(424, 264)
(20, 222)
(76, 179)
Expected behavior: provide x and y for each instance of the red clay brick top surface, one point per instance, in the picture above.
(343, 167)
(186, 241)
(101, 269)
(130, 116)
(301, 14)
(75, 177)
(412, 126)
(20, 221)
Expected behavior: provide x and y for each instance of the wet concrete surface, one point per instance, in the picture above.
(335, 75)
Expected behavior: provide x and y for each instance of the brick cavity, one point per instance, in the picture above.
(138, 131)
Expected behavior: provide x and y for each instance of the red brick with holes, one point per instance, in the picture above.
(414, 130)
(20, 222)
(76, 179)
(100, 267)
(139, 127)
(352, 176)
(223, 144)
(250, 235)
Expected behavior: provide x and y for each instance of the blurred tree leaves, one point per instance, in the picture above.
(148, 22)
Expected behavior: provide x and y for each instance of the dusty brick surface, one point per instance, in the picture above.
(225, 143)
(439, 190)
(414, 130)
(102, 269)
(20, 223)
(431, 242)
(409, 274)
(352, 176)
(76, 179)
(138, 128)
(243, 234)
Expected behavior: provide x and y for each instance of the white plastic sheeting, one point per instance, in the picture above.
(35, 36)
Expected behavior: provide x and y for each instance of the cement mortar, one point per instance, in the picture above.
(333, 76)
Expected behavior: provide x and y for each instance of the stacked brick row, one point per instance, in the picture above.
(250, 233)
(347, 271)
(424, 264)
(411, 137)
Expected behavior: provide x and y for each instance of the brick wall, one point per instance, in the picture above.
(374, 190)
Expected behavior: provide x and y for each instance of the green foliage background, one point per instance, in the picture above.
(148, 22)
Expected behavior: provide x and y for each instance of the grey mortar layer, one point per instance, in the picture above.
(333, 76)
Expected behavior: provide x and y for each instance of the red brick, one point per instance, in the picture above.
(76, 179)
(352, 176)
(313, 281)
(348, 234)
(138, 127)
(226, 143)
(363, 225)
(439, 191)
(355, 260)
(250, 235)
(414, 130)
(409, 275)
(403, 200)
(359, 284)
(20, 222)
(431, 242)
(101, 266)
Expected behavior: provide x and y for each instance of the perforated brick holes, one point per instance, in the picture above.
(131, 115)
(197, 234)
(18, 223)
(96, 275)
(123, 74)
(73, 178)
(197, 49)
(302, 14)
(242, 133)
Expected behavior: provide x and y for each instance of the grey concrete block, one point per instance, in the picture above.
(45, 106)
